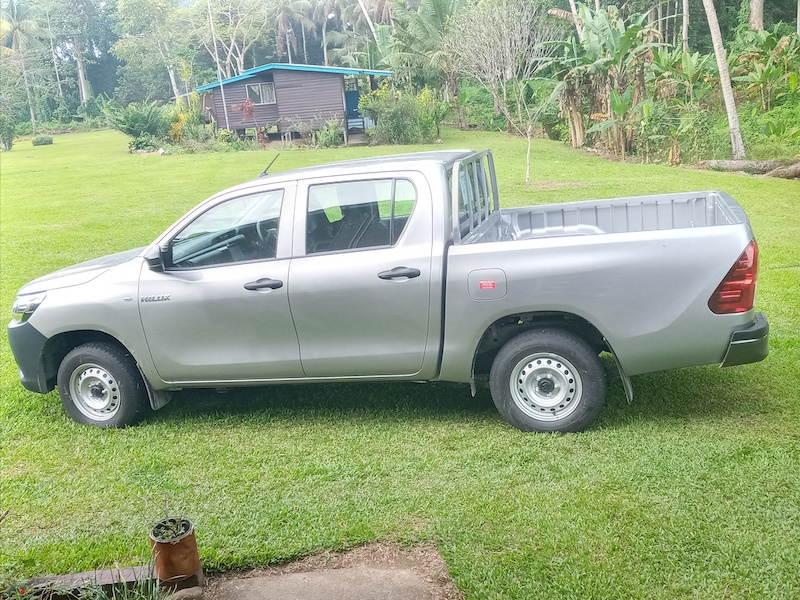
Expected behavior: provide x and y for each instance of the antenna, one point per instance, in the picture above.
(264, 172)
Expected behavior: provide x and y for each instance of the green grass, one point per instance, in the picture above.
(693, 491)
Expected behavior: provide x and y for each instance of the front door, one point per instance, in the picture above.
(360, 294)
(219, 311)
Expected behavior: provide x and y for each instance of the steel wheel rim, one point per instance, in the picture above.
(545, 386)
(95, 392)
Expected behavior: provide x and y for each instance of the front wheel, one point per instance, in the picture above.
(100, 385)
(548, 380)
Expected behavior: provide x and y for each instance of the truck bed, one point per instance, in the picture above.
(615, 215)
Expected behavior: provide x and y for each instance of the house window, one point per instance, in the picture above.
(261, 93)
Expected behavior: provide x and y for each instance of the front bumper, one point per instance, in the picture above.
(748, 345)
(27, 344)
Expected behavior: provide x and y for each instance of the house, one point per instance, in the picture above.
(284, 95)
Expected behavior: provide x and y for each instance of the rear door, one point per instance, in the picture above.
(360, 289)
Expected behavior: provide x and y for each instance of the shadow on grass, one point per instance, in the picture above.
(684, 394)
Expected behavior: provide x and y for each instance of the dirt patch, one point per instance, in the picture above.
(423, 561)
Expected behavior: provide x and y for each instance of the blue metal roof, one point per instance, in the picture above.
(287, 67)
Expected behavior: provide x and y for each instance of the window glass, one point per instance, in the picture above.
(261, 93)
(357, 214)
(474, 196)
(245, 228)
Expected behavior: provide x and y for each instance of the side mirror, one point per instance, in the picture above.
(161, 259)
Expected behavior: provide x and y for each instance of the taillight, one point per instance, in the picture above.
(736, 293)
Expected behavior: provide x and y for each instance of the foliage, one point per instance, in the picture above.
(170, 528)
(145, 143)
(42, 140)
(226, 136)
(401, 117)
(330, 135)
(140, 119)
(7, 132)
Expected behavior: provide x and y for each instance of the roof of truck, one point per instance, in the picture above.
(443, 157)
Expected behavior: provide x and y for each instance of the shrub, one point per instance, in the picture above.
(140, 119)
(226, 136)
(330, 135)
(402, 118)
(7, 131)
(42, 140)
(144, 143)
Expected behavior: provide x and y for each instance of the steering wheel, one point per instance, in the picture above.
(267, 238)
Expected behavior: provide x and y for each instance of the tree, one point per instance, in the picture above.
(725, 80)
(238, 27)
(287, 14)
(147, 32)
(501, 44)
(420, 42)
(19, 32)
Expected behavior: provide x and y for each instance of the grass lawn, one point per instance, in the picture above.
(693, 491)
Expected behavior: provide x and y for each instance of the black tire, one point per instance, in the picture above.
(100, 385)
(548, 380)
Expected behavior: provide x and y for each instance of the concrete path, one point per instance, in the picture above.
(358, 583)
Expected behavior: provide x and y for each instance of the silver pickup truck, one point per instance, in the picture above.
(399, 268)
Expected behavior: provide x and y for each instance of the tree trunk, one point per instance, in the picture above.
(28, 94)
(756, 19)
(675, 26)
(83, 84)
(325, 42)
(737, 144)
(685, 32)
(53, 53)
(660, 19)
(574, 9)
(288, 44)
(305, 49)
(453, 81)
(369, 19)
(788, 172)
(756, 167)
(528, 137)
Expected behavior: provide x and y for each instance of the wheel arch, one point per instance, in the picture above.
(505, 328)
(58, 346)
(509, 326)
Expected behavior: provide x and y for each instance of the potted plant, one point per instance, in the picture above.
(174, 545)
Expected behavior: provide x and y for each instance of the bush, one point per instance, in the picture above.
(330, 135)
(42, 140)
(145, 119)
(226, 136)
(402, 118)
(7, 132)
(144, 143)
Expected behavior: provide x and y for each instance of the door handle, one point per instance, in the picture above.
(263, 284)
(399, 272)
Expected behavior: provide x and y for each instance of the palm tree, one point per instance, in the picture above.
(288, 13)
(725, 80)
(19, 32)
(420, 42)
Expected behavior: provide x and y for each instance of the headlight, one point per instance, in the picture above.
(25, 305)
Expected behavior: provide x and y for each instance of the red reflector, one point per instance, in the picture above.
(736, 293)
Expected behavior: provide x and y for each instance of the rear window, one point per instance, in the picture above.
(474, 193)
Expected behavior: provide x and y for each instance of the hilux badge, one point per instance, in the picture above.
(158, 298)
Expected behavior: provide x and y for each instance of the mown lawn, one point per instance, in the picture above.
(693, 491)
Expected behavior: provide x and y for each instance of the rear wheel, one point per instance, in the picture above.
(100, 385)
(548, 380)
